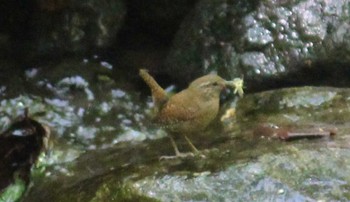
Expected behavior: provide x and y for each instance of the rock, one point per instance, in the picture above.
(54, 28)
(272, 44)
(77, 26)
(241, 165)
(20, 147)
(84, 107)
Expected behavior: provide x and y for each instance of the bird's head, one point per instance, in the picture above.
(212, 85)
(209, 85)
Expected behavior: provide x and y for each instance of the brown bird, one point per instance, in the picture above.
(191, 110)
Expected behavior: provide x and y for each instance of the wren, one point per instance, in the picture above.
(191, 110)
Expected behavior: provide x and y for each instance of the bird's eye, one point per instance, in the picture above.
(215, 83)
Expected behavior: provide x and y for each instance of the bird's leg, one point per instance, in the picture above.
(173, 143)
(194, 149)
(178, 154)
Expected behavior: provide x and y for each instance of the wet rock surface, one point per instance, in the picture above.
(270, 43)
(239, 164)
(82, 105)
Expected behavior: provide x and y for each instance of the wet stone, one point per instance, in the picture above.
(240, 164)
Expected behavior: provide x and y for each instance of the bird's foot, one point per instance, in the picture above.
(182, 156)
(177, 156)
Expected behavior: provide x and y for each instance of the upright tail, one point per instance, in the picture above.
(158, 93)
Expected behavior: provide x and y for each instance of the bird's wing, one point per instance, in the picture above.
(179, 108)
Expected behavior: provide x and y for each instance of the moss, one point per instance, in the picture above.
(115, 191)
(13, 192)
